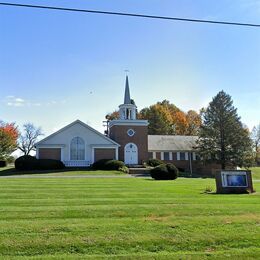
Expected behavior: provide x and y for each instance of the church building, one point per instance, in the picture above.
(79, 145)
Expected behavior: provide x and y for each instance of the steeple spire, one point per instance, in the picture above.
(127, 99)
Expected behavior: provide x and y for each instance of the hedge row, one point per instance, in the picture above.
(28, 162)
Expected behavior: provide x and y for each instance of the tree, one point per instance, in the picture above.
(112, 116)
(167, 119)
(159, 120)
(222, 137)
(28, 138)
(194, 122)
(255, 136)
(8, 139)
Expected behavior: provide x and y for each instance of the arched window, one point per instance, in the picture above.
(77, 149)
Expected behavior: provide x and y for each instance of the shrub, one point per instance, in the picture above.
(49, 164)
(154, 162)
(26, 162)
(114, 165)
(100, 164)
(108, 164)
(164, 172)
(124, 169)
(2, 163)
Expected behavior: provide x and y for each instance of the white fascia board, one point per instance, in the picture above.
(50, 145)
(129, 122)
(105, 146)
(83, 124)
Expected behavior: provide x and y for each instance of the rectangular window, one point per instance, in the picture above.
(150, 155)
(166, 156)
(182, 156)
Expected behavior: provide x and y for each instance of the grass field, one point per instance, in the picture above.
(10, 171)
(256, 173)
(133, 218)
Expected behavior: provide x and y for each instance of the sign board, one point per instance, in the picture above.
(233, 181)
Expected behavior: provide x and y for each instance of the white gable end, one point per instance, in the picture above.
(62, 139)
(76, 130)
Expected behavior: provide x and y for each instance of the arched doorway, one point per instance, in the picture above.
(131, 154)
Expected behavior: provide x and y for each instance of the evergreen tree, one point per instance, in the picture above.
(222, 137)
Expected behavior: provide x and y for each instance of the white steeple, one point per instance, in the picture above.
(127, 111)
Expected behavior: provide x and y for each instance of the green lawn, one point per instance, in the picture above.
(10, 171)
(133, 218)
(255, 173)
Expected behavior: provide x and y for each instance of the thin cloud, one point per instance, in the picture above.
(13, 101)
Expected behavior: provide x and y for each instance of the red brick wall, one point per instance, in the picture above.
(50, 153)
(119, 134)
(102, 153)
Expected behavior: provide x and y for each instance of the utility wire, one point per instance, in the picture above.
(131, 15)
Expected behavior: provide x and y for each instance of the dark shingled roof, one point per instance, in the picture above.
(171, 142)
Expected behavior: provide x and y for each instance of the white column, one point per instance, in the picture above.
(186, 156)
(37, 153)
(170, 156)
(116, 153)
(92, 155)
(178, 156)
(154, 155)
(162, 156)
(62, 154)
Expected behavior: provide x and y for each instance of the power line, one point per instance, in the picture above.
(131, 15)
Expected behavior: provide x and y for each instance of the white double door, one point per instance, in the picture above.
(131, 154)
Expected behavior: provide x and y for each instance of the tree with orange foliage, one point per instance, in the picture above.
(8, 139)
(194, 122)
(167, 119)
(112, 116)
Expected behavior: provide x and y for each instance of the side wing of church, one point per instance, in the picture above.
(77, 145)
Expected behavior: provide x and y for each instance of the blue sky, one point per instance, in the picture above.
(56, 67)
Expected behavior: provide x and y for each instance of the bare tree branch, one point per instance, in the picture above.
(28, 138)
